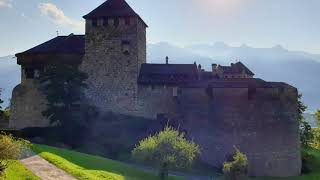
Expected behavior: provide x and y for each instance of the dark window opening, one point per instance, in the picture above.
(125, 42)
(126, 52)
(127, 20)
(94, 22)
(29, 73)
(251, 93)
(105, 21)
(116, 22)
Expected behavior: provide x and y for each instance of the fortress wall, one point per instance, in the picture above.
(154, 100)
(265, 127)
(27, 106)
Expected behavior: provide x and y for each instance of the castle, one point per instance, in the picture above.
(219, 109)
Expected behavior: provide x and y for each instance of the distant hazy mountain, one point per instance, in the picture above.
(299, 69)
(9, 77)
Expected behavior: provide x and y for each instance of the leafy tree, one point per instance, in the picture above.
(63, 87)
(306, 135)
(0, 100)
(1, 111)
(165, 150)
(316, 138)
(237, 169)
(318, 116)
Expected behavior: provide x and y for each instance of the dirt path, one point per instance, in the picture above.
(44, 169)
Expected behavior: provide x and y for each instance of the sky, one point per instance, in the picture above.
(293, 24)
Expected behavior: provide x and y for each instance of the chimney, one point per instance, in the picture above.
(167, 60)
(214, 66)
(199, 72)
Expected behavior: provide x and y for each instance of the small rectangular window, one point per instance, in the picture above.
(29, 73)
(94, 22)
(116, 22)
(105, 21)
(125, 42)
(127, 20)
(251, 93)
(175, 92)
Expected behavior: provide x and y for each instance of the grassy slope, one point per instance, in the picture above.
(84, 166)
(315, 175)
(17, 171)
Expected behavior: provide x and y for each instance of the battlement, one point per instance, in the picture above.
(111, 22)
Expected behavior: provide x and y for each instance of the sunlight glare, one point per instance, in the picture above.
(221, 6)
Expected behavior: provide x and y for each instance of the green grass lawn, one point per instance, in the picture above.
(84, 166)
(17, 171)
(314, 175)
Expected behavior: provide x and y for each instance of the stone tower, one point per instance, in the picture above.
(115, 48)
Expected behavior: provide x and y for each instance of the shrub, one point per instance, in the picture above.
(238, 168)
(5, 115)
(166, 150)
(307, 159)
(316, 138)
(10, 149)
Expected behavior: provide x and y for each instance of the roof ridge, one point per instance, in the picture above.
(113, 8)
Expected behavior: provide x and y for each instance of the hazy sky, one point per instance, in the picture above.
(294, 24)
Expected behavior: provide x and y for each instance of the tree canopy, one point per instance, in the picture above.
(306, 134)
(0, 100)
(63, 85)
(318, 116)
(167, 149)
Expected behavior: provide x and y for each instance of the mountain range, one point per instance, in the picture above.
(300, 69)
(9, 77)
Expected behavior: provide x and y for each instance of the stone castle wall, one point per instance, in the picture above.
(262, 124)
(112, 60)
(27, 104)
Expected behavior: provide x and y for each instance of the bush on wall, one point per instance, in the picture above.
(237, 169)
